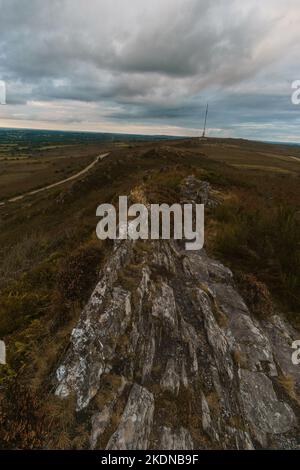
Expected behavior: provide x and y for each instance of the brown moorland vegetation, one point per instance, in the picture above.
(50, 257)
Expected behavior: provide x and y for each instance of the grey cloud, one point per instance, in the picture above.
(148, 62)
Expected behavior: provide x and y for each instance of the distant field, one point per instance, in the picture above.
(31, 159)
(256, 155)
(22, 171)
(26, 173)
(24, 167)
(261, 167)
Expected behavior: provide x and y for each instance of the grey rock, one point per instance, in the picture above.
(262, 408)
(207, 423)
(93, 344)
(176, 439)
(182, 335)
(135, 425)
(171, 379)
(102, 419)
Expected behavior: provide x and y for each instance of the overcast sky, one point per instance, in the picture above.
(150, 66)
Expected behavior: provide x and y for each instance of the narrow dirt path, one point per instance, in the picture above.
(294, 158)
(58, 183)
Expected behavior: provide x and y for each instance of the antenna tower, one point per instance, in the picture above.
(205, 120)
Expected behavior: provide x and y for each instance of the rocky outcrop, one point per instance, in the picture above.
(178, 439)
(2, 352)
(135, 426)
(197, 369)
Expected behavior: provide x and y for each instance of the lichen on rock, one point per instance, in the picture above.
(200, 370)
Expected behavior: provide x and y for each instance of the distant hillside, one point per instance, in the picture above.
(36, 137)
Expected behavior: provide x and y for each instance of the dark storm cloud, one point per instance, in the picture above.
(148, 62)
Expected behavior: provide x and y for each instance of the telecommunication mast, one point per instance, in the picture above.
(205, 120)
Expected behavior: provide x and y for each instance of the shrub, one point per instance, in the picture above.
(256, 294)
(26, 298)
(21, 257)
(18, 307)
(78, 274)
(263, 241)
(21, 425)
